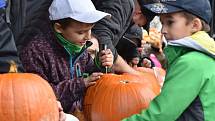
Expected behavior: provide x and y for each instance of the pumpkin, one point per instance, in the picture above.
(88, 101)
(115, 97)
(153, 74)
(26, 97)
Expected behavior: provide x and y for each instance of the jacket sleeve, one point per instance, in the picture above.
(67, 91)
(182, 85)
(103, 31)
(110, 30)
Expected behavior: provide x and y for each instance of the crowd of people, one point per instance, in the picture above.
(83, 41)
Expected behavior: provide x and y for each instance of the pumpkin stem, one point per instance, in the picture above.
(13, 67)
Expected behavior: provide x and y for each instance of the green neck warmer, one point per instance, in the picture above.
(69, 46)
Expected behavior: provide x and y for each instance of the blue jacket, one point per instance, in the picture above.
(2, 3)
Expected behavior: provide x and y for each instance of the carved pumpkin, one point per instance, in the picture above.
(115, 97)
(26, 97)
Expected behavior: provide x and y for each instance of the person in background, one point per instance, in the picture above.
(152, 45)
(8, 50)
(189, 86)
(109, 31)
(60, 55)
(151, 56)
(127, 47)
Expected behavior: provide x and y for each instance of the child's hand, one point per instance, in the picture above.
(91, 80)
(106, 58)
(147, 63)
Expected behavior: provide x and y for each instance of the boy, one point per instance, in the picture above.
(60, 55)
(189, 86)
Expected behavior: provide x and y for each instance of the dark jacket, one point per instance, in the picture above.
(46, 57)
(127, 49)
(8, 51)
(28, 18)
(110, 30)
(128, 44)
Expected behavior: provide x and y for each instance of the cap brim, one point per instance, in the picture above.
(161, 8)
(92, 16)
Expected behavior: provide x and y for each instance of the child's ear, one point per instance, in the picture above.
(57, 28)
(196, 25)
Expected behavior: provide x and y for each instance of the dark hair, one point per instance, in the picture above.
(63, 22)
(190, 17)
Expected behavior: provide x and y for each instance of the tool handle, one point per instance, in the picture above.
(104, 47)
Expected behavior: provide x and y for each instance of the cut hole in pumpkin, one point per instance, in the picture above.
(125, 82)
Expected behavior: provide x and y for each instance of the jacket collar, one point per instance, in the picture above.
(199, 41)
(174, 52)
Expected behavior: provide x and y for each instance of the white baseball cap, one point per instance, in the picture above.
(79, 10)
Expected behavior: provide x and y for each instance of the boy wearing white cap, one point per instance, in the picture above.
(60, 55)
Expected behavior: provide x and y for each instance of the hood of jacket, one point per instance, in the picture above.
(199, 41)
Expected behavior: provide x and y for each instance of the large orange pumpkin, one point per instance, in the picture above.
(153, 74)
(26, 97)
(115, 97)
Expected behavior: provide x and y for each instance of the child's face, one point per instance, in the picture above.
(138, 18)
(77, 33)
(175, 26)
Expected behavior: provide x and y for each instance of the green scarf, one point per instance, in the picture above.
(69, 46)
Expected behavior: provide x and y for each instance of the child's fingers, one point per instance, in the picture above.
(147, 63)
(109, 64)
(106, 52)
(106, 58)
(91, 84)
(95, 76)
(108, 61)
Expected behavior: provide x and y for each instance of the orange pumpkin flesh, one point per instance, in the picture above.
(26, 97)
(115, 97)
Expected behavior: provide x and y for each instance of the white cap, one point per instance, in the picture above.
(80, 10)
